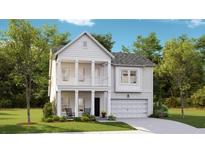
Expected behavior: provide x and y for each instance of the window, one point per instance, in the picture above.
(65, 102)
(97, 71)
(81, 104)
(124, 76)
(133, 77)
(85, 44)
(129, 76)
(81, 75)
(65, 73)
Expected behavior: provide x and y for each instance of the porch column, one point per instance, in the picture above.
(109, 102)
(92, 102)
(76, 103)
(59, 103)
(76, 71)
(59, 78)
(93, 73)
(109, 73)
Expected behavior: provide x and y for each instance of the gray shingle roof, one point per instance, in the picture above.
(124, 59)
(130, 59)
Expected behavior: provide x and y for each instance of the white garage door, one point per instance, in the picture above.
(129, 108)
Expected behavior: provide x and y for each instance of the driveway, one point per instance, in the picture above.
(161, 126)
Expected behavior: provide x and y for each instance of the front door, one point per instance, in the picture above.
(97, 107)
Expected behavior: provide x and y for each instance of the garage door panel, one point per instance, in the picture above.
(129, 108)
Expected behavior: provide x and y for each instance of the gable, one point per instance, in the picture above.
(76, 49)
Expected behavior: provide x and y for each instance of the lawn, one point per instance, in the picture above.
(10, 120)
(193, 116)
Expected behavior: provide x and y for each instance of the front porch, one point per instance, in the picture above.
(78, 102)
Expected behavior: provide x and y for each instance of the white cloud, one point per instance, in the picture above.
(79, 22)
(195, 23)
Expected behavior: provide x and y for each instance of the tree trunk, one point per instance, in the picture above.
(28, 98)
(182, 103)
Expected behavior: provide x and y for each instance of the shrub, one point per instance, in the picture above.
(103, 114)
(172, 102)
(77, 119)
(54, 107)
(160, 110)
(47, 110)
(198, 97)
(92, 118)
(49, 119)
(56, 118)
(85, 114)
(111, 117)
(85, 118)
(62, 119)
(175, 102)
(5, 103)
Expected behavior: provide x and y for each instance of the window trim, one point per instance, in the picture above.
(62, 74)
(121, 73)
(129, 76)
(135, 76)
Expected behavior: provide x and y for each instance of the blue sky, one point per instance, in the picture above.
(125, 31)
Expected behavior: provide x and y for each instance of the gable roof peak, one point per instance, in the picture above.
(91, 37)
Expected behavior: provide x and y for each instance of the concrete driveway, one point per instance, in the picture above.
(161, 126)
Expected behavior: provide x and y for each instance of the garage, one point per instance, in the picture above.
(129, 108)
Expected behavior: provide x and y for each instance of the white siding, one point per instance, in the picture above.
(84, 74)
(85, 55)
(92, 51)
(146, 91)
(68, 100)
(122, 87)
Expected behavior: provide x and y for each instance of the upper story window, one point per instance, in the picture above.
(124, 76)
(85, 44)
(129, 76)
(81, 75)
(65, 72)
(133, 77)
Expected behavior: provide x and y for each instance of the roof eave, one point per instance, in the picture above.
(127, 65)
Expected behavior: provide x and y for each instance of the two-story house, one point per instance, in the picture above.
(85, 76)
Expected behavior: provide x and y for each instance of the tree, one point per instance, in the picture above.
(148, 47)
(200, 45)
(198, 97)
(52, 37)
(22, 46)
(105, 40)
(183, 65)
(28, 49)
(125, 49)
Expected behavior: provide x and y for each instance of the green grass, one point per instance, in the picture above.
(193, 116)
(10, 120)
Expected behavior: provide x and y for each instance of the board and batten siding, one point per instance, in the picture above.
(91, 52)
